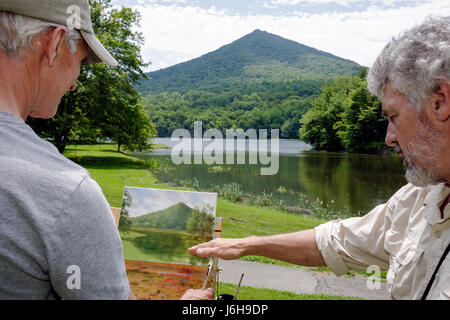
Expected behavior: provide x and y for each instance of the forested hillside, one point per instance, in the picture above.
(261, 81)
(174, 217)
(266, 106)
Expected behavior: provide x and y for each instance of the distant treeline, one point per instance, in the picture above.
(266, 105)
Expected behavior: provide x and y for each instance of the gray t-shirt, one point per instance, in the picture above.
(58, 238)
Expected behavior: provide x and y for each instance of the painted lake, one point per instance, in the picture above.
(159, 245)
(349, 182)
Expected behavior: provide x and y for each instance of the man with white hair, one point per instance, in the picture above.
(409, 235)
(58, 238)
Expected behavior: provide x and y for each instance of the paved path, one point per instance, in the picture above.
(299, 281)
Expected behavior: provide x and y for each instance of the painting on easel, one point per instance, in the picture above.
(157, 227)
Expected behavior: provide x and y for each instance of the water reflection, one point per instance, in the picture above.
(165, 246)
(352, 182)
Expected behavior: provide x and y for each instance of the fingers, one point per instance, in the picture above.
(196, 251)
(207, 249)
(206, 252)
(221, 248)
(194, 294)
(199, 250)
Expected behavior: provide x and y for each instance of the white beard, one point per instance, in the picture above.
(423, 151)
(420, 177)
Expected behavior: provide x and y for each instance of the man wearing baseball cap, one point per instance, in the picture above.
(58, 238)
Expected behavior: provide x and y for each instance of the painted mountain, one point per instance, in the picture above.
(174, 217)
(257, 57)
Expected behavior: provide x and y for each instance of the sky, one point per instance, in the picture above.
(152, 200)
(176, 31)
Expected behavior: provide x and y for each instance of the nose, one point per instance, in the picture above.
(73, 87)
(391, 135)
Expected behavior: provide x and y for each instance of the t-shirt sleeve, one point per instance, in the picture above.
(85, 252)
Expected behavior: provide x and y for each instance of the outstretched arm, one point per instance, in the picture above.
(297, 248)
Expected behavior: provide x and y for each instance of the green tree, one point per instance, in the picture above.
(125, 222)
(318, 124)
(200, 226)
(345, 117)
(361, 128)
(106, 105)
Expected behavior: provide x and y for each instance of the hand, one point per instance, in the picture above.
(194, 294)
(226, 249)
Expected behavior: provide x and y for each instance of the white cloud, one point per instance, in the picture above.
(269, 5)
(175, 34)
(343, 2)
(153, 200)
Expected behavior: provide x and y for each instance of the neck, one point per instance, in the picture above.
(16, 86)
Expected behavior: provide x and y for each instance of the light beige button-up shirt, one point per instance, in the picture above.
(406, 236)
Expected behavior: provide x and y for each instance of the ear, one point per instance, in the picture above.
(441, 99)
(55, 39)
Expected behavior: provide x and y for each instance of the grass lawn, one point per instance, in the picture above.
(113, 171)
(160, 146)
(250, 293)
(242, 221)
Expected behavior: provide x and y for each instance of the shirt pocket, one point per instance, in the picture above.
(402, 273)
(402, 249)
(393, 242)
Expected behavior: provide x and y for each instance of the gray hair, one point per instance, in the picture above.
(17, 33)
(414, 61)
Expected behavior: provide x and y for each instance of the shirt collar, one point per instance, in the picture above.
(9, 117)
(436, 195)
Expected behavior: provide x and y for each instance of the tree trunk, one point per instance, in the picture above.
(61, 147)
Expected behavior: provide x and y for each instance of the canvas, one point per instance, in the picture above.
(157, 228)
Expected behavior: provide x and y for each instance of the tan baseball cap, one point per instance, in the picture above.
(71, 13)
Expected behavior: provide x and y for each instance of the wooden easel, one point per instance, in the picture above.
(116, 215)
(211, 276)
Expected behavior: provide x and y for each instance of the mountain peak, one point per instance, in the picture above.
(256, 31)
(256, 57)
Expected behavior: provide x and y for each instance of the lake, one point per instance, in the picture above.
(351, 183)
(159, 245)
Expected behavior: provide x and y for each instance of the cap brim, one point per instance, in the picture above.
(97, 52)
